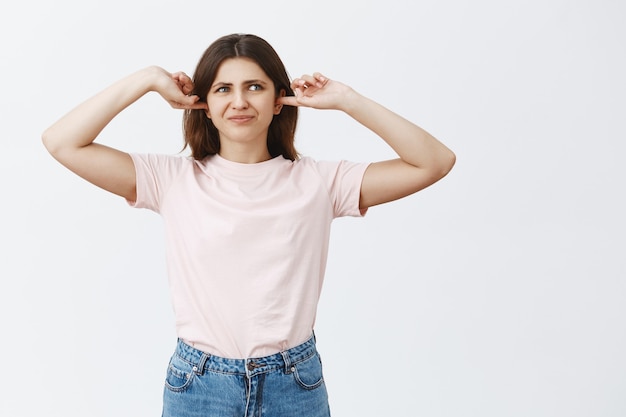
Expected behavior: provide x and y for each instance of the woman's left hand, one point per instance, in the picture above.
(319, 92)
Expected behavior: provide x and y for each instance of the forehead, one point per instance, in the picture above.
(233, 70)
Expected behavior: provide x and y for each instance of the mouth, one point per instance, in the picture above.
(240, 119)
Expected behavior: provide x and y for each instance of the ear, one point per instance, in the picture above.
(208, 113)
(278, 107)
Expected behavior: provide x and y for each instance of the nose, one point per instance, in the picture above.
(239, 100)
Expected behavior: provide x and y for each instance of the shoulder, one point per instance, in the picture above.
(309, 163)
(162, 159)
(161, 162)
(327, 168)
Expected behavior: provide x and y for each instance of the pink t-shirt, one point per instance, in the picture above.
(247, 244)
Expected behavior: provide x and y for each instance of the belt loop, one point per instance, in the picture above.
(287, 360)
(199, 368)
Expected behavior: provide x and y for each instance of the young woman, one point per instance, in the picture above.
(247, 220)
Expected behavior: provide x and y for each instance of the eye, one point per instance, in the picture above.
(255, 87)
(222, 89)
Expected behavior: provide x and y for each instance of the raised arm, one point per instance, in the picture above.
(422, 161)
(71, 139)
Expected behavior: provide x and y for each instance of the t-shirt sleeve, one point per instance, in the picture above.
(154, 173)
(343, 181)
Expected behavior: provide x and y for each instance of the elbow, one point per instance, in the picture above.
(451, 160)
(47, 141)
(50, 142)
(446, 163)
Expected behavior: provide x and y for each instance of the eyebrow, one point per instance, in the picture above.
(247, 82)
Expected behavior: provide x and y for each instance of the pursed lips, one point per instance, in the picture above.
(240, 119)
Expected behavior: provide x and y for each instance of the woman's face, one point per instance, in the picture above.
(242, 103)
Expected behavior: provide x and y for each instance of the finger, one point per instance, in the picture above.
(320, 78)
(309, 81)
(316, 80)
(184, 82)
(288, 101)
(187, 88)
(180, 75)
(298, 83)
(199, 106)
(303, 82)
(184, 106)
(189, 102)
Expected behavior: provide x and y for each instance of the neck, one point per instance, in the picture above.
(244, 154)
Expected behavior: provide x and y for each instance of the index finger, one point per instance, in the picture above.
(288, 101)
(190, 103)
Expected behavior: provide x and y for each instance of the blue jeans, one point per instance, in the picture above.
(287, 384)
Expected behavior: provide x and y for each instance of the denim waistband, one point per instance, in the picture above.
(202, 361)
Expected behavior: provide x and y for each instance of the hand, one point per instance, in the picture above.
(176, 89)
(317, 91)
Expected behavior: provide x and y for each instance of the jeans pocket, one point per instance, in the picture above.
(308, 373)
(180, 374)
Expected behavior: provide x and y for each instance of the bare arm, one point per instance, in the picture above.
(423, 160)
(71, 139)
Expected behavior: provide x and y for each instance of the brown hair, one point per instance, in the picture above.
(201, 136)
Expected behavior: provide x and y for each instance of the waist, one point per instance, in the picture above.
(250, 366)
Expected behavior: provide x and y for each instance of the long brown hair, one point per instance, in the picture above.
(201, 136)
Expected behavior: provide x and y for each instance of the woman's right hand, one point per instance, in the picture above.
(176, 88)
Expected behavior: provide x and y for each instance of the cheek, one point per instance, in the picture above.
(215, 106)
(269, 105)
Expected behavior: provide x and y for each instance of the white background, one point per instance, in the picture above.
(499, 291)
